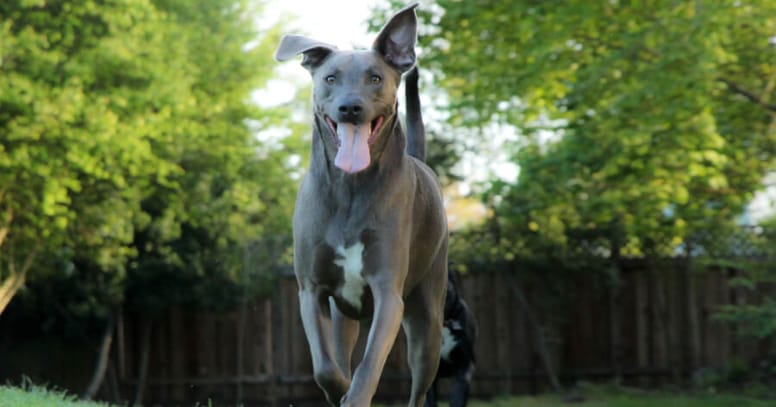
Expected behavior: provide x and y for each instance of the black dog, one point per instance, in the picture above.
(457, 354)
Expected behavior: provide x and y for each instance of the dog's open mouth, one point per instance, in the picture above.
(374, 129)
(353, 141)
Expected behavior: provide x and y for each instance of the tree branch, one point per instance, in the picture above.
(747, 94)
(7, 222)
(9, 288)
(15, 279)
(3, 234)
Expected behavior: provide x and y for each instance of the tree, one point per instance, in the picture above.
(660, 111)
(129, 157)
(232, 189)
(76, 145)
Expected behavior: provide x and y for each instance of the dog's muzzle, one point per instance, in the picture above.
(353, 141)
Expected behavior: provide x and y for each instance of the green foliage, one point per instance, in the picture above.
(233, 189)
(128, 149)
(750, 253)
(642, 123)
(757, 320)
(75, 149)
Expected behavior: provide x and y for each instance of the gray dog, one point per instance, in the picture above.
(370, 232)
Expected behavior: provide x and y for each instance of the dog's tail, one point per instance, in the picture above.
(416, 132)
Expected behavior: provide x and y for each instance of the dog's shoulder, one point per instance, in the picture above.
(424, 173)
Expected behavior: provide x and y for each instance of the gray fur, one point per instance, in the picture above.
(394, 207)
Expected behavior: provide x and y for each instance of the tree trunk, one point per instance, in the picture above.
(102, 361)
(15, 279)
(113, 383)
(144, 353)
(3, 234)
(121, 351)
(9, 288)
(541, 338)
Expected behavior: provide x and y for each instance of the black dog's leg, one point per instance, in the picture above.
(460, 392)
(431, 396)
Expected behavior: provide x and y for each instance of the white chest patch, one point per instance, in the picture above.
(448, 343)
(352, 264)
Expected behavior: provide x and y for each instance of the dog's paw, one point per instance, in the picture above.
(349, 401)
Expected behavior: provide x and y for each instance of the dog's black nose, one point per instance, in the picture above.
(351, 111)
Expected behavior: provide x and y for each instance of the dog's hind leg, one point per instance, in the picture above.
(345, 337)
(423, 328)
(319, 333)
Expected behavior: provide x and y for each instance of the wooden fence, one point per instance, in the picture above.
(657, 327)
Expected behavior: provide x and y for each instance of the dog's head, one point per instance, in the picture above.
(354, 92)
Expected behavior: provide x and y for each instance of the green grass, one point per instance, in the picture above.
(624, 401)
(615, 396)
(588, 396)
(35, 396)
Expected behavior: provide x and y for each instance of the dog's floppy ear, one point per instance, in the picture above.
(314, 51)
(396, 41)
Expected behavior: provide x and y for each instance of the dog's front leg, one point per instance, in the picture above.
(386, 319)
(318, 330)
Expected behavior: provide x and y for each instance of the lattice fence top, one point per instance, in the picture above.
(754, 242)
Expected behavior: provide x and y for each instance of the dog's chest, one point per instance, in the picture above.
(351, 260)
(449, 339)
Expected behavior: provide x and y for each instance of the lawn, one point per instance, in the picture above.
(614, 396)
(35, 396)
(626, 401)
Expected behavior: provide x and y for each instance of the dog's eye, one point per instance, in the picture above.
(330, 79)
(376, 79)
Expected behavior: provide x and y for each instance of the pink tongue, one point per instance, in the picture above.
(353, 153)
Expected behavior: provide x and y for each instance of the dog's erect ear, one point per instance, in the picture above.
(396, 41)
(314, 51)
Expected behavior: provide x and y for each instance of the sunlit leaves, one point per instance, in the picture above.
(128, 119)
(663, 123)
